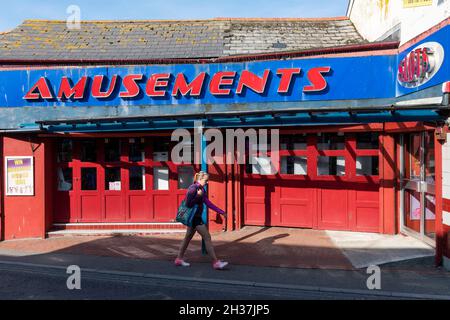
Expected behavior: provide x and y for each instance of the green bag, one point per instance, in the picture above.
(186, 214)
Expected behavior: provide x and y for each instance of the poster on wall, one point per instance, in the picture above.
(416, 211)
(19, 176)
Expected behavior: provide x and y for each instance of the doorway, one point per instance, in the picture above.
(417, 193)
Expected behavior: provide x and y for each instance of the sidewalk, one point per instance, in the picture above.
(302, 259)
(253, 246)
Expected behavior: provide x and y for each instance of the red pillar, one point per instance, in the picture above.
(388, 165)
(2, 194)
(441, 236)
(230, 198)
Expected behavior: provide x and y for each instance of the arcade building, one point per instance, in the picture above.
(86, 117)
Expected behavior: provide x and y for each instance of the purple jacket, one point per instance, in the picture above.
(192, 198)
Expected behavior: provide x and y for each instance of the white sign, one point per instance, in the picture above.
(19, 176)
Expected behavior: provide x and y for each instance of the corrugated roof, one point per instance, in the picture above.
(172, 39)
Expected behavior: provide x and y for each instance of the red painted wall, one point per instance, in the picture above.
(25, 216)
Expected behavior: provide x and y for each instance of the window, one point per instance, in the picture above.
(185, 177)
(65, 182)
(160, 178)
(137, 178)
(136, 150)
(112, 179)
(367, 141)
(161, 149)
(294, 165)
(429, 158)
(64, 151)
(293, 142)
(88, 179)
(261, 165)
(331, 141)
(88, 151)
(367, 166)
(112, 150)
(331, 166)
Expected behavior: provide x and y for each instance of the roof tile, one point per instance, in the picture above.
(41, 39)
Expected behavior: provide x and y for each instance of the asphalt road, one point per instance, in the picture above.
(36, 283)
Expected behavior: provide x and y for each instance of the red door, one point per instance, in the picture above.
(119, 180)
(326, 181)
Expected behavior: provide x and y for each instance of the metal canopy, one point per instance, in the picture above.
(241, 120)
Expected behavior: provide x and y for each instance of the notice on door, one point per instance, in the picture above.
(19, 176)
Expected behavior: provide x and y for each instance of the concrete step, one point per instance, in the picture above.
(105, 229)
(111, 232)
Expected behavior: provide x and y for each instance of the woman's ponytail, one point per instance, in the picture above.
(196, 177)
(199, 175)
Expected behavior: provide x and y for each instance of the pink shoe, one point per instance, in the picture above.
(181, 263)
(220, 265)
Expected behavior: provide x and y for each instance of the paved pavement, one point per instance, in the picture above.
(255, 246)
(271, 259)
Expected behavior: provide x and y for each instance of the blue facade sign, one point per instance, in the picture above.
(30, 95)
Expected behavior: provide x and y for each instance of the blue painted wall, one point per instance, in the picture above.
(353, 82)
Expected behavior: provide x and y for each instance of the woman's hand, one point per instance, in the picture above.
(200, 192)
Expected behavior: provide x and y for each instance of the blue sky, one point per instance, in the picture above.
(16, 11)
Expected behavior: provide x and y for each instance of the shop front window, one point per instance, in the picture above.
(366, 141)
(112, 150)
(429, 159)
(293, 142)
(261, 166)
(185, 177)
(65, 180)
(64, 151)
(136, 150)
(294, 165)
(161, 149)
(88, 179)
(137, 178)
(331, 141)
(160, 178)
(367, 166)
(112, 179)
(88, 151)
(331, 166)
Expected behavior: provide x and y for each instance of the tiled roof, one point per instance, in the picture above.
(167, 39)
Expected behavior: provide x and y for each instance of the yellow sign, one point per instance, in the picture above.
(416, 3)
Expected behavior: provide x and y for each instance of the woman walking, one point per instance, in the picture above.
(196, 195)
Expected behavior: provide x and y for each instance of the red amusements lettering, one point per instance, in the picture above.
(159, 80)
(131, 86)
(221, 83)
(67, 91)
(42, 88)
(97, 87)
(222, 78)
(286, 78)
(252, 81)
(318, 82)
(194, 88)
